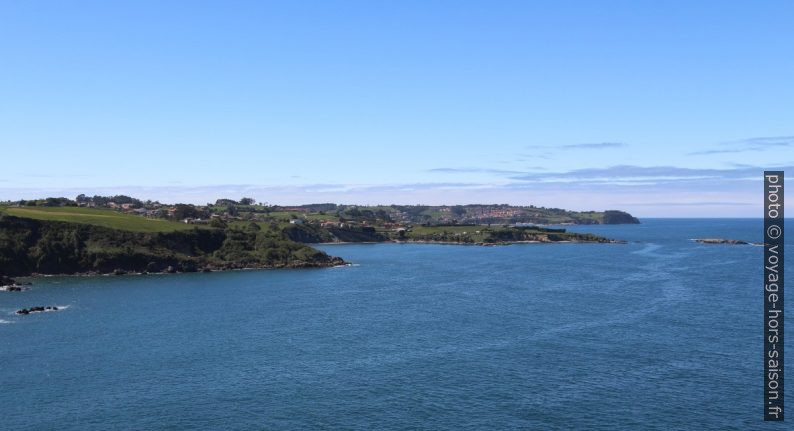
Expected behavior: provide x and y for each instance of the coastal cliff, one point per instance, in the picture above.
(441, 234)
(81, 240)
(29, 246)
(618, 217)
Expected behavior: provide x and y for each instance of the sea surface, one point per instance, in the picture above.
(660, 333)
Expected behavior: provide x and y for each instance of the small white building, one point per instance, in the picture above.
(296, 221)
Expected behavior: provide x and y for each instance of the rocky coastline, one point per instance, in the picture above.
(38, 247)
(724, 241)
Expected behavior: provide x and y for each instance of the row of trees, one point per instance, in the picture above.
(227, 202)
(48, 202)
(102, 201)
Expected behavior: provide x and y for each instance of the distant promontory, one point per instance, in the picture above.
(120, 234)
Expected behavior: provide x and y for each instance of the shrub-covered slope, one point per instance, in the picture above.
(29, 246)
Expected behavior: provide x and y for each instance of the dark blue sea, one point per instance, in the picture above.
(660, 333)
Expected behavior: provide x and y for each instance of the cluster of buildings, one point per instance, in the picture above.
(155, 210)
(500, 213)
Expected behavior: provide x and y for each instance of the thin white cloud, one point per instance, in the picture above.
(749, 145)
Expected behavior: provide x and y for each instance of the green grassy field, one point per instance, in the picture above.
(98, 217)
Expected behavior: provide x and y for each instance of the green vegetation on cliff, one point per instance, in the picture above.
(120, 233)
(474, 234)
(30, 246)
(456, 234)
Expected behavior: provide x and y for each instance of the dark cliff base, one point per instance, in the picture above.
(30, 246)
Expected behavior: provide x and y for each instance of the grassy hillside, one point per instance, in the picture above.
(30, 246)
(96, 217)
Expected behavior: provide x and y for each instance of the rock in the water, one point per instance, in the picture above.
(720, 241)
(8, 284)
(26, 311)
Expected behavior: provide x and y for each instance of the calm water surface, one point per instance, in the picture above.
(660, 333)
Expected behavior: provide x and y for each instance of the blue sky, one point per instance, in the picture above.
(658, 108)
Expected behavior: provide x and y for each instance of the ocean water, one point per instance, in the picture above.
(660, 333)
